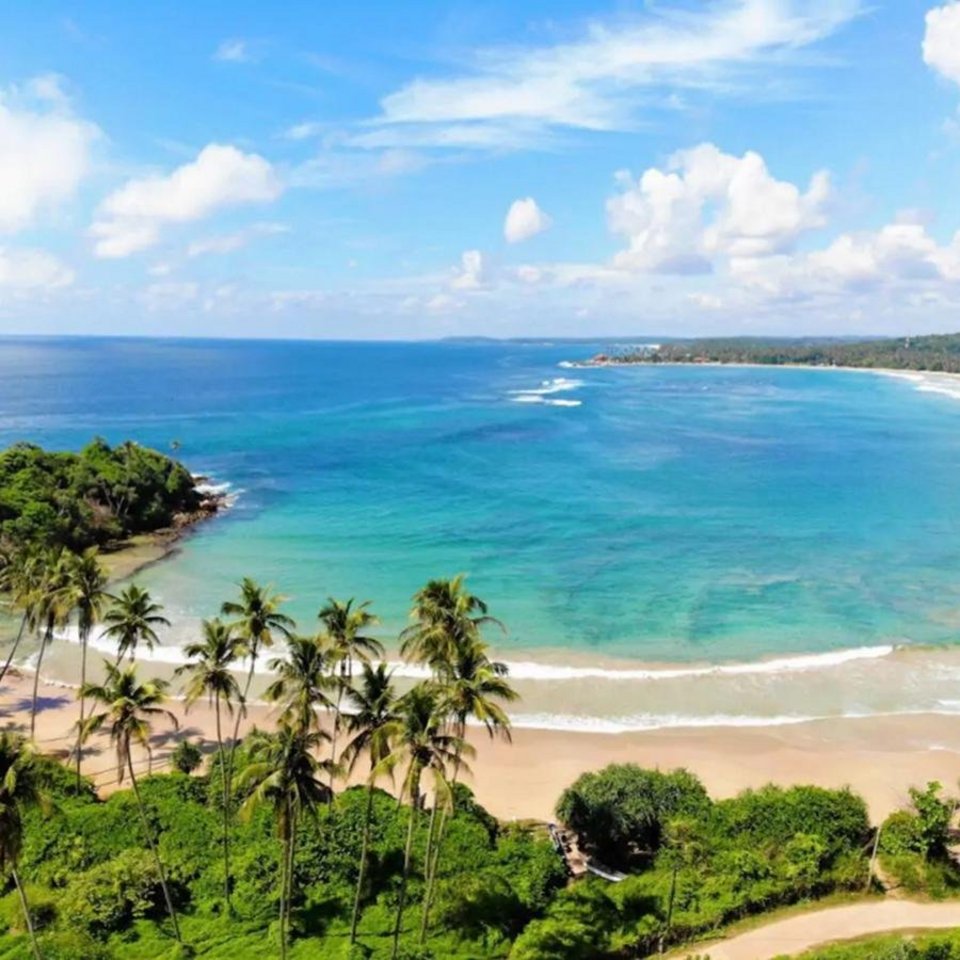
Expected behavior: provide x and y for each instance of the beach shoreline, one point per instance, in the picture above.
(878, 757)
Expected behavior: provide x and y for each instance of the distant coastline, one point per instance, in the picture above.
(926, 354)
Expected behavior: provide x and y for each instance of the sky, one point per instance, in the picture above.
(528, 168)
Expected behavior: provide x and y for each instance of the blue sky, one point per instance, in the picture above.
(528, 168)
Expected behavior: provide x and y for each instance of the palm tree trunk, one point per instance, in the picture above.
(670, 901)
(148, 833)
(84, 636)
(13, 649)
(283, 894)
(290, 861)
(432, 866)
(26, 916)
(414, 797)
(428, 873)
(243, 703)
(226, 811)
(364, 848)
(333, 739)
(36, 682)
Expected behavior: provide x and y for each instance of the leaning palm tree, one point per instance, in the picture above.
(19, 789)
(283, 774)
(303, 677)
(132, 620)
(87, 595)
(344, 625)
(20, 579)
(257, 618)
(474, 688)
(209, 674)
(51, 613)
(373, 722)
(129, 707)
(421, 745)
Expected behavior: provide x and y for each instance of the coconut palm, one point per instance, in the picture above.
(256, 617)
(20, 579)
(473, 687)
(303, 679)
(87, 595)
(283, 774)
(132, 620)
(421, 745)
(373, 722)
(344, 625)
(209, 674)
(19, 790)
(445, 615)
(129, 708)
(51, 612)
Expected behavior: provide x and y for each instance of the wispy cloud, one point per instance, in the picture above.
(234, 50)
(601, 79)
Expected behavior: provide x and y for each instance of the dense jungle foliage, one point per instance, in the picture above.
(97, 496)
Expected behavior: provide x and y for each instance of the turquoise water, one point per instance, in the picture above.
(656, 514)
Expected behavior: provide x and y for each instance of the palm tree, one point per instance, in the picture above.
(19, 790)
(303, 677)
(209, 673)
(473, 687)
(20, 578)
(133, 620)
(422, 746)
(344, 625)
(283, 774)
(86, 593)
(51, 612)
(373, 723)
(256, 618)
(445, 615)
(129, 709)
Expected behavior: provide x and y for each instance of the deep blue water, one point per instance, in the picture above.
(674, 514)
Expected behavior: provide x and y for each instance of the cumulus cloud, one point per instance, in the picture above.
(45, 152)
(705, 206)
(472, 272)
(132, 217)
(599, 79)
(941, 41)
(524, 220)
(22, 270)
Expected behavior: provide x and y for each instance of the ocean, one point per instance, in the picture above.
(667, 546)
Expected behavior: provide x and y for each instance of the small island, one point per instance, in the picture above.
(935, 353)
(130, 501)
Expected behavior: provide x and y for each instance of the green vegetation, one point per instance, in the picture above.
(259, 850)
(92, 498)
(940, 353)
(938, 946)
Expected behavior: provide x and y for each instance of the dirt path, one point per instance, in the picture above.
(796, 934)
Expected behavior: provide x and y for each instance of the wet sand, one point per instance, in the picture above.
(879, 757)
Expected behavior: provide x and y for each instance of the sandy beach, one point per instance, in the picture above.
(879, 757)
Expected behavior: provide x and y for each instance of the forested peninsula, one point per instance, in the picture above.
(98, 497)
(937, 353)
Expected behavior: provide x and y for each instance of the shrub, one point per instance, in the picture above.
(186, 757)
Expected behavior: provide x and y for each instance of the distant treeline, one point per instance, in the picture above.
(939, 353)
(98, 496)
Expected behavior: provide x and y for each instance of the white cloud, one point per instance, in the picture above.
(705, 206)
(31, 270)
(45, 152)
(598, 80)
(941, 41)
(471, 274)
(524, 220)
(131, 218)
(233, 51)
(228, 242)
(169, 295)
